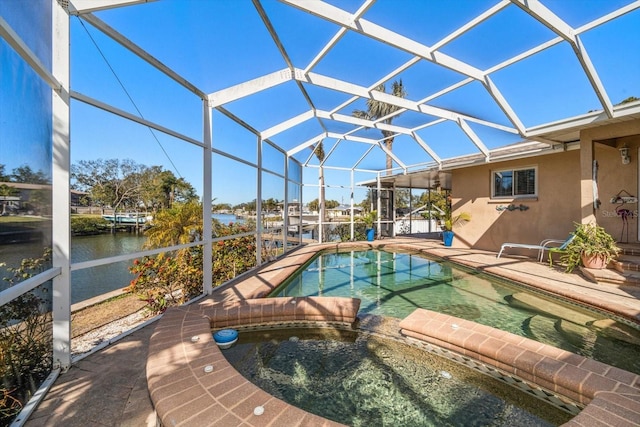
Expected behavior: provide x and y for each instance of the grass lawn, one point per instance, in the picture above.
(14, 219)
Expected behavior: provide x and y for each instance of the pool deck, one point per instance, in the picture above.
(109, 387)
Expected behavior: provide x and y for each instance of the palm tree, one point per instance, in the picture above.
(177, 225)
(377, 110)
(318, 150)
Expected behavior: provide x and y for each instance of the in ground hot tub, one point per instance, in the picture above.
(359, 379)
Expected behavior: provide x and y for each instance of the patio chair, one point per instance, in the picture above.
(545, 245)
(560, 249)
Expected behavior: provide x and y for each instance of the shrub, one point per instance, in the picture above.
(25, 341)
(172, 279)
(87, 225)
(590, 240)
(167, 279)
(233, 256)
(342, 232)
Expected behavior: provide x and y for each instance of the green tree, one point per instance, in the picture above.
(221, 207)
(174, 226)
(25, 174)
(314, 205)
(628, 100)
(160, 188)
(6, 190)
(247, 206)
(381, 111)
(332, 204)
(270, 204)
(437, 202)
(109, 182)
(125, 184)
(167, 279)
(402, 197)
(172, 278)
(3, 176)
(233, 256)
(365, 204)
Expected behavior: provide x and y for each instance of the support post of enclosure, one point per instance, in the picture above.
(586, 179)
(259, 206)
(378, 203)
(207, 228)
(61, 229)
(352, 208)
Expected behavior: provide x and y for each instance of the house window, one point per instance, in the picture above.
(514, 183)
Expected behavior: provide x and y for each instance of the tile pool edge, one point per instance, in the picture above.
(175, 363)
(190, 381)
(501, 269)
(611, 395)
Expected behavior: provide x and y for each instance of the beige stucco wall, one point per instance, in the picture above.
(612, 179)
(550, 215)
(561, 197)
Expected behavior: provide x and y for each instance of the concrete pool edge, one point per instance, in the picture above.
(173, 372)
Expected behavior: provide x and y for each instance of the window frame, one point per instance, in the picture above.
(513, 187)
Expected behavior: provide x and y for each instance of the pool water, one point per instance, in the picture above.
(395, 284)
(361, 380)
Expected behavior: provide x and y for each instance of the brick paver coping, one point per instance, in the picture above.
(612, 395)
(186, 392)
(183, 394)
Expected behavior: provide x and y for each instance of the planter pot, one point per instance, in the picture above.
(447, 237)
(371, 234)
(594, 261)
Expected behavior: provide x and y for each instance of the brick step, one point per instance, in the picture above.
(612, 275)
(629, 249)
(623, 271)
(624, 262)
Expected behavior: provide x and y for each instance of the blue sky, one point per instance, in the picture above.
(217, 44)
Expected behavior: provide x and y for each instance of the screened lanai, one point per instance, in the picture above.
(255, 109)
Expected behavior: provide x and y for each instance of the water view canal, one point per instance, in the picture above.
(90, 282)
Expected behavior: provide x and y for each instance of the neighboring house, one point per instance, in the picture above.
(27, 198)
(9, 204)
(80, 198)
(343, 212)
(35, 197)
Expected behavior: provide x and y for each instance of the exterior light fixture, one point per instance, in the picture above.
(624, 154)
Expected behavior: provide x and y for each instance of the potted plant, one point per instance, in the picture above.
(453, 221)
(369, 218)
(591, 247)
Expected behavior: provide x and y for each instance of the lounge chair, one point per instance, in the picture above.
(545, 245)
(560, 249)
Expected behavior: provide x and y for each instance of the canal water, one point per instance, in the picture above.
(90, 282)
(94, 281)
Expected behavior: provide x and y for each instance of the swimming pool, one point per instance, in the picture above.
(363, 380)
(396, 283)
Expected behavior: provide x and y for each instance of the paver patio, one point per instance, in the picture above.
(109, 387)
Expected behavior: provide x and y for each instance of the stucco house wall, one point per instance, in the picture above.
(549, 215)
(614, 177)
(559, 201)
